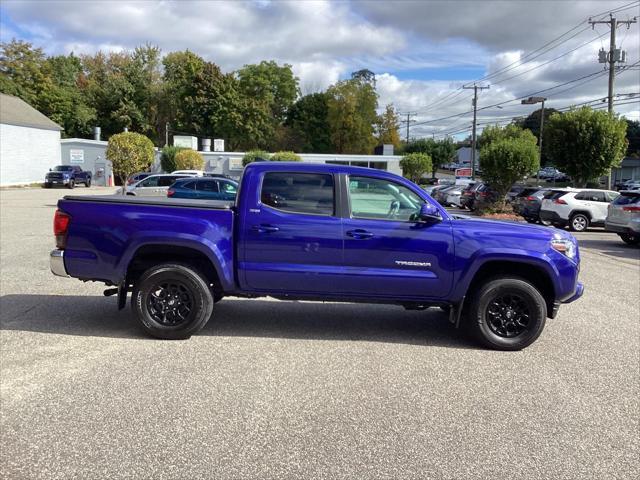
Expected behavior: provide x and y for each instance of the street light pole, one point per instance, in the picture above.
(532, 101)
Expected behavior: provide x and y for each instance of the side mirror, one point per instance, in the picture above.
(429, 213)
(50, 170)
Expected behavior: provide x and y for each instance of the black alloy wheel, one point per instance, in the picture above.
(170, 303)
(508, 315)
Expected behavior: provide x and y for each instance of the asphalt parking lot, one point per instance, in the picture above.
(290, 390)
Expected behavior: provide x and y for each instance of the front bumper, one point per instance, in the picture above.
(56, 262)
(578, 293)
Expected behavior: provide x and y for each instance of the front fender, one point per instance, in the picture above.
(466, 272)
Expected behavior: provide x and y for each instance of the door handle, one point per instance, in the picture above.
(263, 228)
(359, 234)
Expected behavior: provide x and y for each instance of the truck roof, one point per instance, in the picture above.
(318, 168)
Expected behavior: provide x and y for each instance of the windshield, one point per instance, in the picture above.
(63, 168)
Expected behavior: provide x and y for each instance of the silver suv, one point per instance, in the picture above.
(623, 217)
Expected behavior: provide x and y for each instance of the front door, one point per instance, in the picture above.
(388, 252)
(291, 238)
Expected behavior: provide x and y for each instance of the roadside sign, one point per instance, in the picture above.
(235, 163)
(463, 172)
(76, 156)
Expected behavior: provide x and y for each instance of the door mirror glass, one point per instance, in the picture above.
(429, 213)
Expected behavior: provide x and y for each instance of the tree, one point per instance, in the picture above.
(308, 124)
(188, 159)
(586, 143)
(415, 165)
(351, 116)
(168, 158)
(633, 138)
(508, 159)
(285, 157)
(129, 153)
(493, 133)
(440, 151)
(387, 126)
(254, 155)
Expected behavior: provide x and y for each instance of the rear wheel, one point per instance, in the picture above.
(630, 238)
(172, 301)
(531, 220)
(579, 222)
(507, 313)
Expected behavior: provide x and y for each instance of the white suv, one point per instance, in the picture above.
(576, 208)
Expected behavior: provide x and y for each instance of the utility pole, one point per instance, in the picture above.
(614, 55)
(473, 134)
(166, 134)
(408, 121)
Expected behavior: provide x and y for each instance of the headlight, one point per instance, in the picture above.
(564, 246)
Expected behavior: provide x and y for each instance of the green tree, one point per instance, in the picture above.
(633, 138)
(532, 122)
(506, 160)
(351, 116)
(129, 153)
(440, 151)
(253, 155)
(188, 159)
(168, 158)
(415, 165)
(493, 133)
(307, 121)
(387, 127)
(586, 143)
(22, 71)
(285, 157)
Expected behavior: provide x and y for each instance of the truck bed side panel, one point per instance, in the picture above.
(103, 237)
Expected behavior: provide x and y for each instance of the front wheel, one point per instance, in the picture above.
(630, 238)
(87, 183)
(507, 313)
(172, 301)
(579, 222)
(71, 184)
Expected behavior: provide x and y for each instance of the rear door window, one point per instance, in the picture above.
(188, 185)
(210, 186)
(166, 181)
(149, 182)
(310, 193)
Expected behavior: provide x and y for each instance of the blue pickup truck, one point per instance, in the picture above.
(68, 176)
(317, 232)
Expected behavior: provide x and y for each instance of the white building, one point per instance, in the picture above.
(29, 142)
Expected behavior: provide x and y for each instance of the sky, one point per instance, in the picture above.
(422, 52)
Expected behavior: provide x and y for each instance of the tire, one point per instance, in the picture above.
(172, 301)
(531, 220)
(71, 184)
(546, 223)
(630, 238)
(47, 185)
(498, 329)
(87, 183)
(579, 222)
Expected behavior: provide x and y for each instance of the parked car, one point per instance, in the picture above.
(67, 175)
(321, 232)
(528, 202)
(485, 196)
(152, 186)
(623, 217)
(453, 195)
(136, 177)
(195, 173)
(514, 192)
(625, 184)
(203, 188)
(468, 195)
(441, 194)
(576, 208)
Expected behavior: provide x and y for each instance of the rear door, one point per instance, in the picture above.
(147, 187)
(290, 238)
(595, 202)
(207, 189)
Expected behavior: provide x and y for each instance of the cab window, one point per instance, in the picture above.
(382, 200)
(310, 193)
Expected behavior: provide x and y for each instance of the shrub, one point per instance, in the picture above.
(129, 153)
(507, 160)
(188, 159)
(253, 155)
(168, 158)
(285, 157)
(414, 165)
